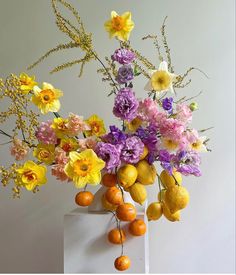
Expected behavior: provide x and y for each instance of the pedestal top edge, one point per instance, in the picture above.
(84, 211)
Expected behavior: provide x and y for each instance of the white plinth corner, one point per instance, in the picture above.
(87, 250)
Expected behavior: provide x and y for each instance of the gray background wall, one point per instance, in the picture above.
(201, 33)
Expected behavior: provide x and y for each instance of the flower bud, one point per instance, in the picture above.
(193, 106)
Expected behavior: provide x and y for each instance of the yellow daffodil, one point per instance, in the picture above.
(199, 145)
(27, 83)
(59, 125)
(45, 153)
(84, 168)
(46, 99)
(119, 26)
(97, 127)
(169, 144)
(134, 124)
(161, 80)
(31, 175)
(69, 144)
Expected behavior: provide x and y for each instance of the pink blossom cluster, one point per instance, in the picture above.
(19, 149)
(76, 125)
(87, 143)
(45, 134)
(61, 160)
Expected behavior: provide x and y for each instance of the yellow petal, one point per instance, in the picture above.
(54, 106)
(69, 170)
(95, 178)
(74, 156)
(80, 182)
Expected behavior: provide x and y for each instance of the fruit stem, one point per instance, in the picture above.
(176, 182)
(119, 228)
(159, 184)
(122, 245)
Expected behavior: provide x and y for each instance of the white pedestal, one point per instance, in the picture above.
(87, 250)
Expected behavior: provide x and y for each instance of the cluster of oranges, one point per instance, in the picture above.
(133, 179)
(112, 200)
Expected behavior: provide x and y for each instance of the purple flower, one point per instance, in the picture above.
(187, 163)
(148, 136)
(167, 104)
(109, 153)
(125, 74)
(126, 104)
(123, 56)
(165, 159)
(115, 136)
(132, 150)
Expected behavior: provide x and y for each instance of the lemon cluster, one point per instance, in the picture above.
(171, 199)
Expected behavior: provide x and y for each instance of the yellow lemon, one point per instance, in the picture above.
(127, 175)
(145, 153)
(168, 180)
(146, 172)
(171, 217)
(161, 195)
(176, 198)
(138, 193)
(107, 205)
(154, 211)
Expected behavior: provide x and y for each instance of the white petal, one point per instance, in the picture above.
(151, 72)
(113, 14)
(173, 76)
(148, 86)
(47, 86)
(171, 89)
(163, 66)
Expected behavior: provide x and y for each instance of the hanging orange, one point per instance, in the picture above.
(107, 205)
(109, 180)
(137, 227)
(122, 263)
(116, 236)
(126, 212)
(84, 198)
(114, 195)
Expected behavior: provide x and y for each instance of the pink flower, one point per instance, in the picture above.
(192, 136)
(59, 173)
(46, 134)
(60, 156)
(19, 149)
(171, 128)
(159, 117)
(147, 110)
(87, 143)
(184, 113)
(76, 124)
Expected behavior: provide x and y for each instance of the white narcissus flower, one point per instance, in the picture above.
(161, 80)
(199, 144)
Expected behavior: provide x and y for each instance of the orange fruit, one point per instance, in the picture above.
(107, 205)
(122, 263)
(137, 227)
(84, 198)
(114, 195)
(109, 180)
(116, 236)
(126, 212)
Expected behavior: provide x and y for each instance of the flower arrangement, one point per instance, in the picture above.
(156, 129)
